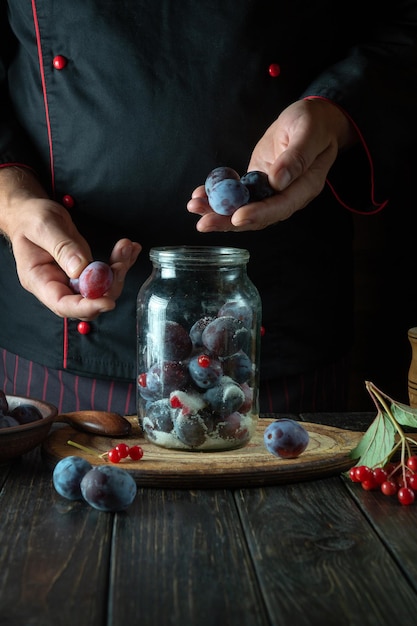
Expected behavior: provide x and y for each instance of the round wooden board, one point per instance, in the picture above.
(327, 454)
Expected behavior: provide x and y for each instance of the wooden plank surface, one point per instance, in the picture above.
(54, 553)
(295, 554)
(327, 454)
(182, 559)
(318, 560)
(394, 523)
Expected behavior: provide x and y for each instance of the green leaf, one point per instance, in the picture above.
(377, 442)
(405, 415)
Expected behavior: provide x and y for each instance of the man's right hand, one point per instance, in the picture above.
(48, 249)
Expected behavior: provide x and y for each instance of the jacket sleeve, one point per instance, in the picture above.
(376, 85)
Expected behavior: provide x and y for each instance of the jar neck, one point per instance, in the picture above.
(199, 257)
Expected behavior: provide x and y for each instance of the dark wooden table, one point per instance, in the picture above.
(314, 552)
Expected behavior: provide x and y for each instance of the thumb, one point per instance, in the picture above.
(289, 166)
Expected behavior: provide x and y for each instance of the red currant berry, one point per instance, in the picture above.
(352, 475)
(363, 473)
(204, 360)
(412, 482)
(135, 453)
(175, 402)
(114, 455)
(380, 475)
(405, 495)
(412, 463)
(369, 483)
(123, 450)
(142, 380)
(389, 488)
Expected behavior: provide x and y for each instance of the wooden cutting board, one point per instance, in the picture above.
(327, 453)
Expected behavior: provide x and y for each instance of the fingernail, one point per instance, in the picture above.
(283, 179)
(127, 251)
(73, 265)
(245, 222)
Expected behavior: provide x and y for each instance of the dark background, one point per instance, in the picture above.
(386, 298)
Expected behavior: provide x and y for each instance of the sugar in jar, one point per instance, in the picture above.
(198, 349)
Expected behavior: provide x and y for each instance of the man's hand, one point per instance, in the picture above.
(49, 250)
(296, 152)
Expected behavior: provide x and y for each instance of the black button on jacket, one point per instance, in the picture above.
(123, 108)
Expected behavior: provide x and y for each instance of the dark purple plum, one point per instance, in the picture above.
(163, 378)
(177, 343)
(258, 185)
(231, 427)
(4, 405)
(190, 430)
(225, 335)
(108, 488)
(196, 330)
(205, 371)
(26, 413)
(286, 438)
(226, 397)
(239, 310)
(160, 414)
(6, 421)
(238, 366)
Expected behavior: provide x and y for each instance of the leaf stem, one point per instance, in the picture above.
(85, 449)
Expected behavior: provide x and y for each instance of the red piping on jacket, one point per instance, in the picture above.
(51, 153)
(378, 205)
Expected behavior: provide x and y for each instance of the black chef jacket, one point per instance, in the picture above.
(122, 109)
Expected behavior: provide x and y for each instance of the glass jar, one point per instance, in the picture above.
(198, 349)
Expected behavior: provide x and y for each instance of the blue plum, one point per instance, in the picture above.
(286, 438)
(227, 196)
(218, 174)
(108, 488)
(226, 397)
(67, 476)
(205, 371)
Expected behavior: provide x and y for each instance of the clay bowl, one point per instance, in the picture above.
(17, 440)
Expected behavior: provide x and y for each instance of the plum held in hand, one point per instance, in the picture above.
(217, 175)
(227, 192)
(95, 280)
(227, 196)
(286, 438)
(258, 185)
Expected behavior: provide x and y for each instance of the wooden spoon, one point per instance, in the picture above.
(97, 422)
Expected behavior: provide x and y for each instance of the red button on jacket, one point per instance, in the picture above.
(274, 70)
(59, 62)
(68, 201)
(83, 328)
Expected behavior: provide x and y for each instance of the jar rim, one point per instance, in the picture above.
(202, 255)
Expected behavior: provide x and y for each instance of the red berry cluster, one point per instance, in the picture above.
(392, 479)
(122, 451)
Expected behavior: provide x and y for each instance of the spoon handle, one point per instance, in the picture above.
(97, 422)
